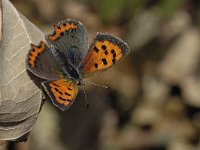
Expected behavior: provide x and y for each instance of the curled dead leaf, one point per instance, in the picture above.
(20, 98)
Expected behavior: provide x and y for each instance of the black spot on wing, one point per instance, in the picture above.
(67, 94)
(61, 98)
(112, 51)
(96, 49)
(113, 60)
(104, 61)
(96, 65)
(103, 47)
(55, 84)
(69, 100)
(106, 52)
(56, 90)
(114, 55)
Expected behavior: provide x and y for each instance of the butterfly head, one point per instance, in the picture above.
(81, 83)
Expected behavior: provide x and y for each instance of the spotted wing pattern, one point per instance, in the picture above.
(104, 52)
(62, 92)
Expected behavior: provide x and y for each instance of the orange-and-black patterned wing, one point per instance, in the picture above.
(40, 62)
(62, 92)
(104, 52)
(70, 37)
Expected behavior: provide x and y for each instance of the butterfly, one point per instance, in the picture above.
(65, 59)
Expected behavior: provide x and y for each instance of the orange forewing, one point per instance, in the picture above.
(99, 59)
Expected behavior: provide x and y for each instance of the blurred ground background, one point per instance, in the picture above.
(154, 100)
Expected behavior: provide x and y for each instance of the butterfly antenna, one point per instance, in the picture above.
(106, 87)
(86, 100)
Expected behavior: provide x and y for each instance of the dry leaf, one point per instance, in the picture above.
(0, 20)
(20, 98)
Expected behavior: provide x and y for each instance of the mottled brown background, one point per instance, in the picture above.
(154, 100)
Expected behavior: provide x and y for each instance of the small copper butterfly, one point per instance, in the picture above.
(67, 59)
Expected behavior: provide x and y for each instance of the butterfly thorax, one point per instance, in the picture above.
(69, 71)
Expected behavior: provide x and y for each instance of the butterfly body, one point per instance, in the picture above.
(69, 71)
(67, 59)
